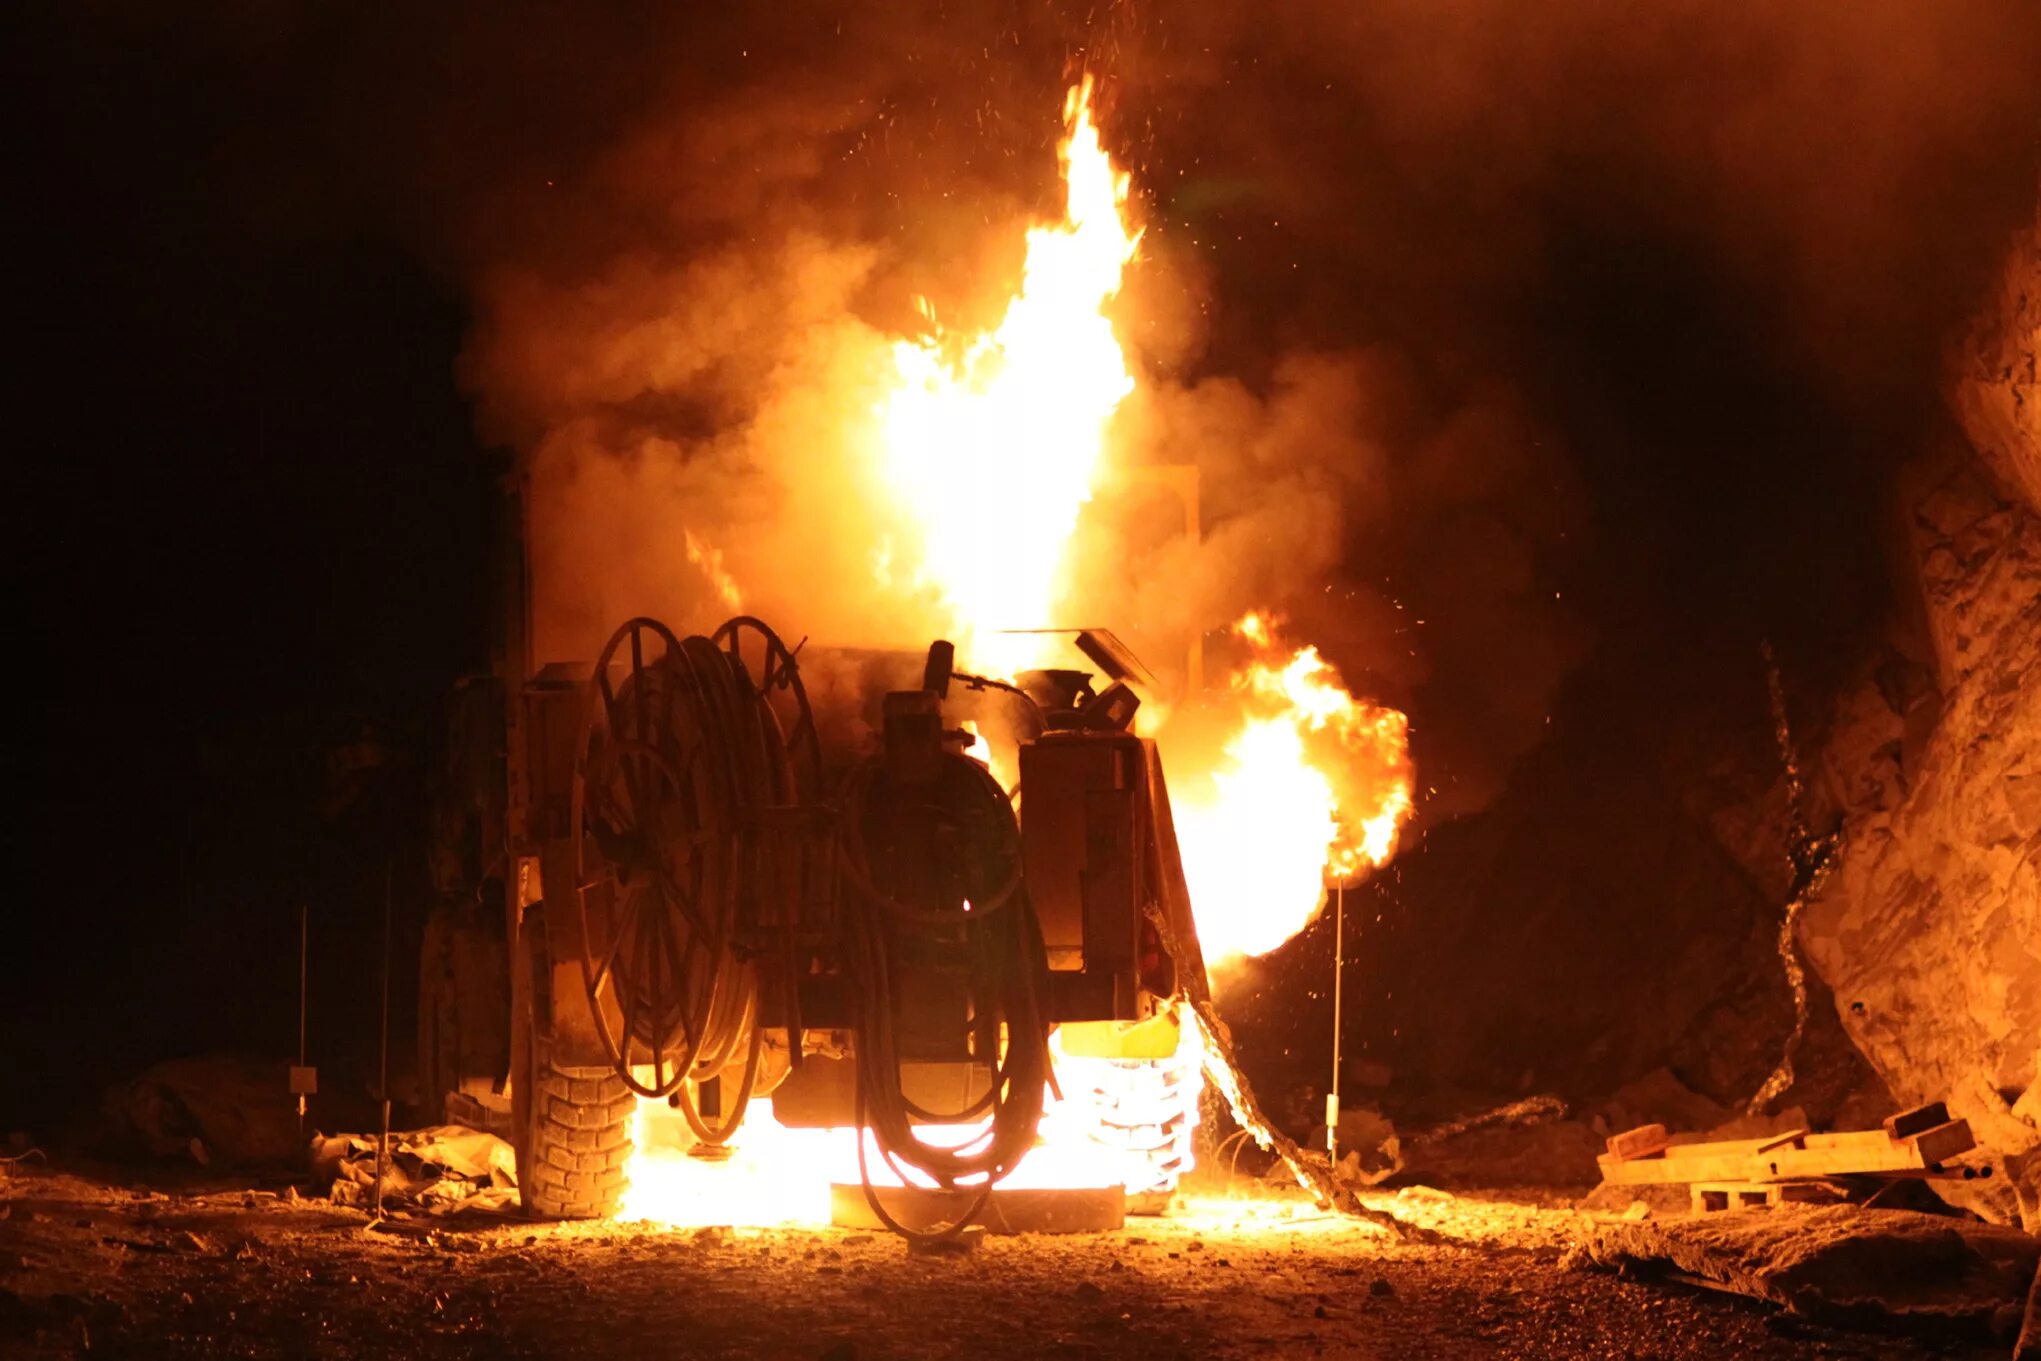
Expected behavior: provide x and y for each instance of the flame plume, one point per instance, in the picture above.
(1313, 783)
(994, 449)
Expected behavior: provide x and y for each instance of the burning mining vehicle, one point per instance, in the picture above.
(722, 898)
(937, 919)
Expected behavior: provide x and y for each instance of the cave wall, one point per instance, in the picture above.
(1992, 381)
(1614, 910)
(1929, 929)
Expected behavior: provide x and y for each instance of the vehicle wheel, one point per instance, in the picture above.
(573, 1124)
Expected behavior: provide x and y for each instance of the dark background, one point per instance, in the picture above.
(1716, 261)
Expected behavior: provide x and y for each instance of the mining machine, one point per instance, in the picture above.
(713, 889)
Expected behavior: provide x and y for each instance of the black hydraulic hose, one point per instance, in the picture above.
(1002, 944)
(734, 1117)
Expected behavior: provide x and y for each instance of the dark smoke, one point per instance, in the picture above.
(1492, 327)
(1488, 327)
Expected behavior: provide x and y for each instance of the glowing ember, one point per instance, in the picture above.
(994, 446)
(1314, 783)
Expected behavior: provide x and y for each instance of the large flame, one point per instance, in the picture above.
(1313, 784)
(994, 445)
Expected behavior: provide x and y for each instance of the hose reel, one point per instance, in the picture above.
(683, 750)
(707, 873)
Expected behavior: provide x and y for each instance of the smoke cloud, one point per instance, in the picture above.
(1468, 314)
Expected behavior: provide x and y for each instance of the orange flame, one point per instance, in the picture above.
(995, 451)
(1314, 783)
(710, 561)
(1119, 1122)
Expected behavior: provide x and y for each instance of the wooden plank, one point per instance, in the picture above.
(1906, 1124)
(1944, 1142)
(1818, 1155)
(1791, 1136)
(1641, 1142)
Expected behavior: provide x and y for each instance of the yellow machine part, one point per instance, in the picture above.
(1155, 1038)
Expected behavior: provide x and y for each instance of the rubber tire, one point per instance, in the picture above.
(573, 1124)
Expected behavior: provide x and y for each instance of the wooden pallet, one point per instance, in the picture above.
(1912, 1144)
(1715, 1197)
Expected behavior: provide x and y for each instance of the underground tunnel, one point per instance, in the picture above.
(989, 680)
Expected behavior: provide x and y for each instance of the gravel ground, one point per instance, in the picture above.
(101, 1265)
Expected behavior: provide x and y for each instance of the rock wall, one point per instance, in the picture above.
(1993, 383)
(1929, 930)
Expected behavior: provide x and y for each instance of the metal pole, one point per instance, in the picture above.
(383, 1083)
(1338, 972)
(304, 953)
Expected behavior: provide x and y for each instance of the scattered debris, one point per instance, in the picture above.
(439, 1169)
(1529, 1111)
(490, 1114)
(1370, 1150)
(966, 1239)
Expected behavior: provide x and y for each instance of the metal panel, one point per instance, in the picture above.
(1083, 814)
(1055, 776)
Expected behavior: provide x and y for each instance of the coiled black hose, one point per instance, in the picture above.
(998, 943)
(673, 763)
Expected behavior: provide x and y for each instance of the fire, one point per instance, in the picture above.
(774, 1176)
(1124, 1122)
(994, 446)
(710, 561)
(1313, 784)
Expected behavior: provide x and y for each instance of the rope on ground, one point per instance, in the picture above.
(1222, 1068)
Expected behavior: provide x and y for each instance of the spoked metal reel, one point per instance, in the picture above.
(656, 808)
(791, 854)
(769, 666)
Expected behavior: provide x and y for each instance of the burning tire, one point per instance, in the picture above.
(573, 1124)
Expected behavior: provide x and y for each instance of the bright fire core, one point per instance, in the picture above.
(994, 444)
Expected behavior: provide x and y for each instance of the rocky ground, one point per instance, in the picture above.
(102, 1263)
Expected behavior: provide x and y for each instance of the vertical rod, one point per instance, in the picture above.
(1338, 978)
(304, 953)
(383, 1083)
